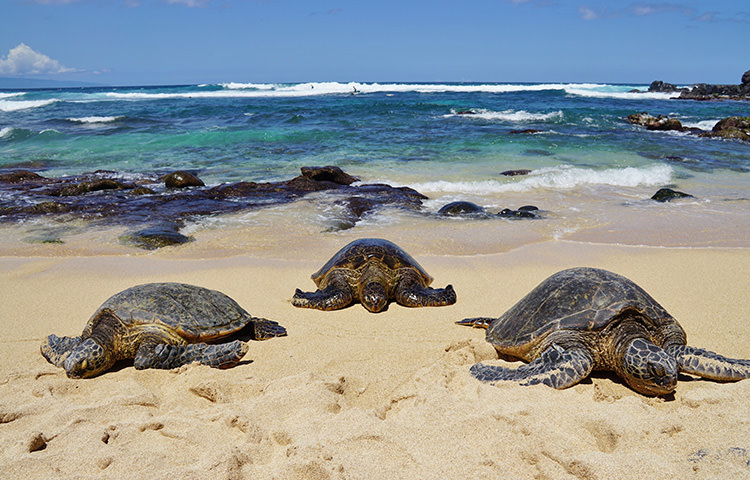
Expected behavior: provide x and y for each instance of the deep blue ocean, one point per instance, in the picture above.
(448, 141)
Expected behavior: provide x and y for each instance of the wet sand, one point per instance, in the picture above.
(354, 395)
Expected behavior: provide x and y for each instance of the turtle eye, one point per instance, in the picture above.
(656, 370)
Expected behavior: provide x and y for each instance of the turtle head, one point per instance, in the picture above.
(374, 297)
(88, 359)
(648, 369)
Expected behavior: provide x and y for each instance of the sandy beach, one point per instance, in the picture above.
(355, 395)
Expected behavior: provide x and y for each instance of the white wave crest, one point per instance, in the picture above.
(12, 106)
(702, 124)
(518, 116)
(235, 89)
(5, 132)
(11, 94)
(625, 95)
(560, 177)
(94, 119)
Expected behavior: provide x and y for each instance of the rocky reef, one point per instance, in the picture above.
(706, 91)
(157, 205)
(733, 128)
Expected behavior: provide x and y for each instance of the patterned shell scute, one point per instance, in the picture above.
(578, 299)
(198, 313)
(359, 252)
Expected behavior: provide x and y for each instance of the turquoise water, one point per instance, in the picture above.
(577, 143)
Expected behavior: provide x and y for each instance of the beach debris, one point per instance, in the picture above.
(667, 195)
(585, 319)
(182, 180)
(160, 325)
(372, 271)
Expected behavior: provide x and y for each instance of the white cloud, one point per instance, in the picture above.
(23, 60)
(587, 13)
(190, 3)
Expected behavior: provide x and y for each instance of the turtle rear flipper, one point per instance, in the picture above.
(707, 364)
(165, 356)
(556, 367)
(263, 329)
(55, 349)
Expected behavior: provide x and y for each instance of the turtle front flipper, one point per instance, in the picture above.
(332, 297)
(165, 356)
(56, 349)
(411, 293)
(476, 322)
(556, 367)
(707, 364)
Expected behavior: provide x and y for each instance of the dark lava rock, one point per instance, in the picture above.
(461, 208)
(26, 195)
(182, 180)
(525, 131)
(466, 112)
(157, 236)
(667, 195)
(659, 86)
(746, 78)
(661, 122)
(19, 176)
(514, 173)
(90, 186)
(527, 211)
(731, 128)
(328, 174)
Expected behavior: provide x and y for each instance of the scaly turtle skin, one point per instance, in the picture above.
(159, 325)
(586, 319)
(372, 271)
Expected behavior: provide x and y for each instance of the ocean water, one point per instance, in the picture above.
(591, 173)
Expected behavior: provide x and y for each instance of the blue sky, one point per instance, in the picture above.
(139, 42)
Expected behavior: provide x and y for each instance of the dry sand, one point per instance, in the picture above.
(353, 395)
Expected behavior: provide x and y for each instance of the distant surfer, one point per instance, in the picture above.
(354, 87)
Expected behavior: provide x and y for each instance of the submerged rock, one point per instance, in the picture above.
(662, 122)
(667, 195)
(155, 237)
(731, 128)
(514, 173)
(461, 208)
(527, 211)
(182, 180)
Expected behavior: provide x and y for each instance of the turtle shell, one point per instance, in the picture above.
(197, 314)
(364, 250)
(578, 299)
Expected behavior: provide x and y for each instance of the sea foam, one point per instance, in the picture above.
(86, 120)
(560, 177)
(14, 105)
(510, 115)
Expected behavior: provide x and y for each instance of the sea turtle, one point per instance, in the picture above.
(159, 325)
(372, 271)
(584, 319)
